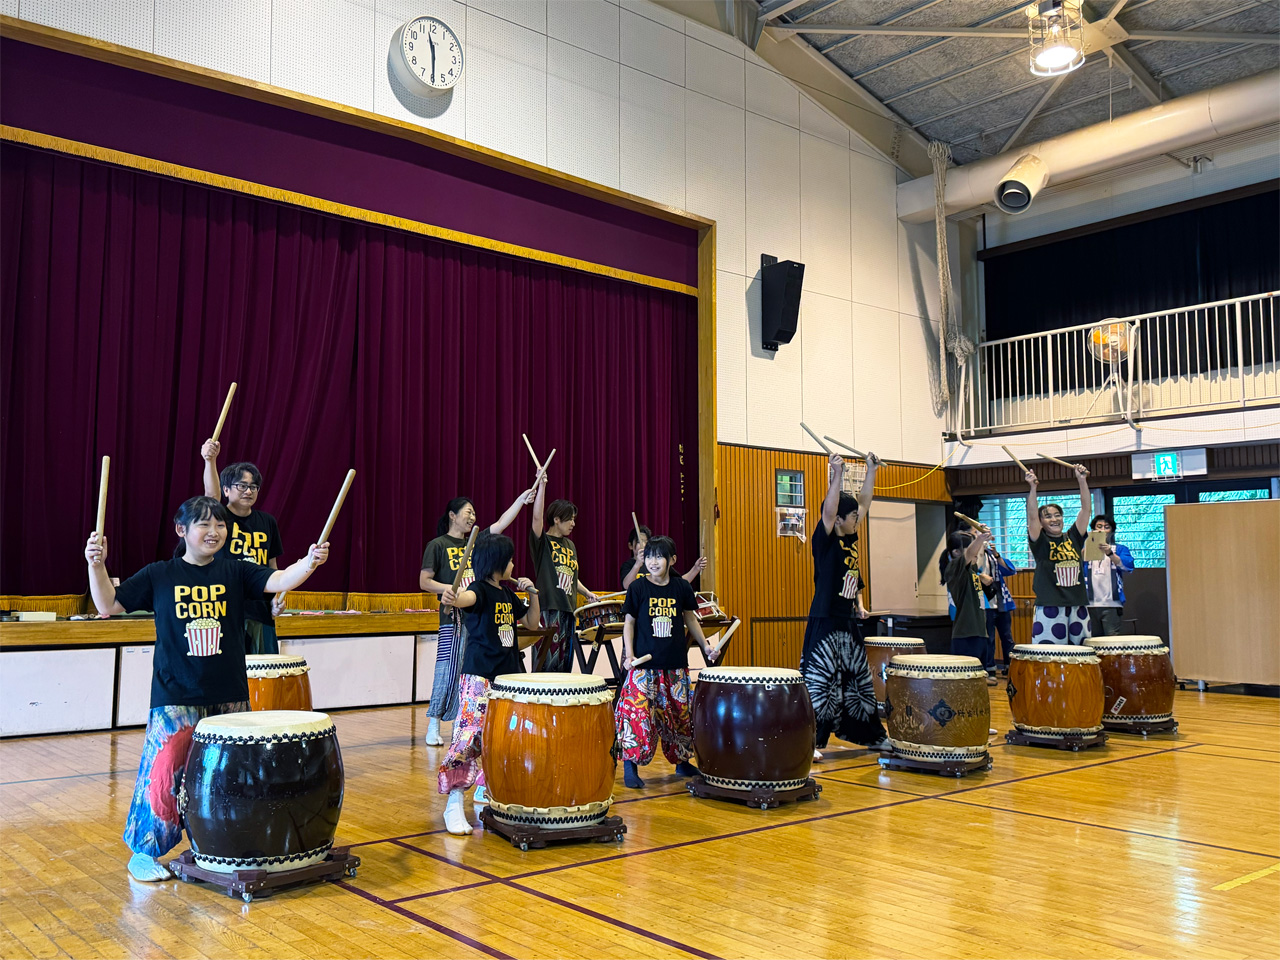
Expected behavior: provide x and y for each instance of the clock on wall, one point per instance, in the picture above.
(426, 55)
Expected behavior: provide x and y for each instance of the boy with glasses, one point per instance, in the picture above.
(254, 536)
(1062, 612)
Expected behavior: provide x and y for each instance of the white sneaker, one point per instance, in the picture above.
(148, 869)
(433, 732)
(455, 817)
(816, 756)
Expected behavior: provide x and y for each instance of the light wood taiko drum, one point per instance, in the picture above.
(880, 650)
(1138, 679)
(1055, 690)
(548, 749)
(278, 681)
(937, 708)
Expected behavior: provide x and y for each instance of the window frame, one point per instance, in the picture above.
(778, 474)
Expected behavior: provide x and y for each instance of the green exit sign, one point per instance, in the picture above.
(1165, 465)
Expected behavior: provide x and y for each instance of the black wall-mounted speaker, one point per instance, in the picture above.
(780, 285)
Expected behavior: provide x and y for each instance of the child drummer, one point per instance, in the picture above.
(199, 598)
(555, 564)
(491, 611)
(1062, 611)
(654, 700)
(633, 569)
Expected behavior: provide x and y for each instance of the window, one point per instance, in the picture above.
(1007, 518)
(1216, 496)
(1140, 525)
(790, 487)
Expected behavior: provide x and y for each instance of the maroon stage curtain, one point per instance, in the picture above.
(129, 302)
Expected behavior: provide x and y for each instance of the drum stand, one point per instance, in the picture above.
(1065, 741)
(761, 796)
(945, 768)
(525, 836)
(1143, 727)
(248, 883)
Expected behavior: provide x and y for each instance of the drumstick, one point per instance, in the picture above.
(715, 651)
(337, 505)
(542, 470)
(102, 496)
(1014, 458)
(854, 450)
(536, 464)
(969, 520)
(639, 535)
(1044, 456)
(639, 660)
(226, 406)
(825, 448)
(702, 539)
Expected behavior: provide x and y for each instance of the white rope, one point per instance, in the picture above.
(951, 340)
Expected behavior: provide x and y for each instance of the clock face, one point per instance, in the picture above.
(427, 55)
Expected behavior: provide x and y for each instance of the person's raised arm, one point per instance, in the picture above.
(835, 482)
(1082, 518)
(539, 507)
(976, 547)
(698, 566)
(212, 486)
(100, 585)
(532, 619)
(296, 574)
(868, 489)
(1033, 506)
(512, 511)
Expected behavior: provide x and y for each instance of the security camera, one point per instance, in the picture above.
(1018, 187)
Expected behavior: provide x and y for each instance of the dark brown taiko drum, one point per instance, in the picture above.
(880, 650)
(753, 727)
(1138, 679)
(937, 708)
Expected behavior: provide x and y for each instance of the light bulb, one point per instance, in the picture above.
(1052, 58)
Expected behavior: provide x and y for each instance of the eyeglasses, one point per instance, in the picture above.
(247, 487)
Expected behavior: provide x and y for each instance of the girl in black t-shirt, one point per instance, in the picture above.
(960, 571)
(1062, 611)
(834, 661)
(199, 601)
(555, 566)
(491, 612)
(633, 569)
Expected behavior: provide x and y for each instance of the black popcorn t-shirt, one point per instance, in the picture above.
(659, 611)
(256, 539)
(836, 578)
(442, 556)
(200, 611)
(491, 631)
(1057, 581)
(966, 593)
(555, 560)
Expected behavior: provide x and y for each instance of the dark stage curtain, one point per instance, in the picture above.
(129, 302)
(1218, 252)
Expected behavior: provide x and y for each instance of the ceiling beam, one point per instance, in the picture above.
(771, 11)
(885, 23)
(1034, 112)
(1147, 85)
(890, 30)
(1203, 36)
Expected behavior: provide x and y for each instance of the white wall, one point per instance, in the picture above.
(635, 97)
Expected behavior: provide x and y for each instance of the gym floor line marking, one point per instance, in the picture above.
(1248, 878)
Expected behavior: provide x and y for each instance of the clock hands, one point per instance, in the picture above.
(433, 56)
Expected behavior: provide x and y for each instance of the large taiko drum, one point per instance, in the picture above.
(753, 727)
(1138, 679)
(278, 681)
(262, 790)
(937, 708)
(880, 650)
(1055, 690)
(548, 749)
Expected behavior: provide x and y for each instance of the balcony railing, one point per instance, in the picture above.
(1211, 356)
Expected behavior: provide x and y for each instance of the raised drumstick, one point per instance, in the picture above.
(466, 557)
(536, 464)
(1014, 458)
(102, 497)
(226, 407)
(715, 651)
(542, 470)
(816, 439)
(639, 535)
(639, 660)
(337, 505)
(854, 450)
(969, 520)
(1045, 456)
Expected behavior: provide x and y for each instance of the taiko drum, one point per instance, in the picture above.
(278, 681)
(880, 650)
(936, 708)
(1138, 680)
(1055, 689)
(753, 727)
(548, 749)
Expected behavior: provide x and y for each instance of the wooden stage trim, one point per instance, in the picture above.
(140, 630)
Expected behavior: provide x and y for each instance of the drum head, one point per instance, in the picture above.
(590, 608)
(1052, 651)
(912, 642)
(274, 664)
(749, 675)
(264, 725)
(558, 688)
(934, 660)
(1114, 645)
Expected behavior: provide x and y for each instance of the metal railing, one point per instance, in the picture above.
(1210, 356)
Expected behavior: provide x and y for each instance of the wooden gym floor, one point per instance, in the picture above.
(1168, 847)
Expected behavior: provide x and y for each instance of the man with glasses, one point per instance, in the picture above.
(254, 537)
(1104, 580)
(1062, 611)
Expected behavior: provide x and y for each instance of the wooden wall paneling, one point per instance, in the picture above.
(1224, 590)
(708, 461)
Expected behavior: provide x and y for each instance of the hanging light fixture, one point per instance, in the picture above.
(1057, 37)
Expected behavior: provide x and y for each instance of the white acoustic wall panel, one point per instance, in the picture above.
(918, 353)
(731, 358)
(918, 270)
(826, 332)
(590, 25)
(716, 38)
(773, 385)
(133, 698)
(824, 216)
(323, 48)
(126, 22)
(9, 8)
(859, 145)
(51, 691)
(425, 666)
(530, 14)
(711, 71)
(773, 205)
(445, 112)
(877, 400)
(815, 120)
(873, 229)
(233, 36)
(652, 138)
(715, 174)
(652, 48)
(356, 671)
(651, 11)
(506, 87)
(582, 113)
(771, 95)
